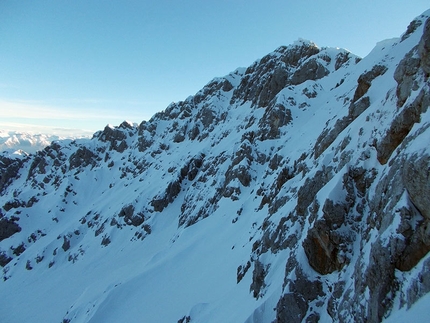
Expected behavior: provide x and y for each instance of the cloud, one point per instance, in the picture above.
(43, 129)
(77, 109)
(40, 110)
(74, 116)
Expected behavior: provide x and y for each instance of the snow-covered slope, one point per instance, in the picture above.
(295, 190)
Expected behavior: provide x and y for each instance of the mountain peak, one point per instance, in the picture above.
(294, 190)
(301, 42)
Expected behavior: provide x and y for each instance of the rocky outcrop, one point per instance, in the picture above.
(416, 178)
(258, 275)
(146, 134)
(8, 227)
(312, 69)
(310, 188)
(189, 172)
(130, 217)
(9, 170)
(38, 165)
(412, 66)
(172, 190)
(286, 66)
(402, 125)
(365, 81)
(274, 118)
(424, 49)
(212, 88)
(404, 76)
(357, 106)
(117, 136)
(294, 305)
(322, 249)
(83, 157)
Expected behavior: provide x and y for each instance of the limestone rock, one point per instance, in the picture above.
(265, 78)
(424, 48)
(311, 70)
(291, 308)
(308, 191)
(172, 190)
(258, 276)
(274, 118)
(379, 278)
(405, 76)
(365, 80)
(401, 126)
(322, 249)
(116, 136)
(81, 158)
(334, 213)
(130, 217)
(8, 227)
(9, 168)
(416, 178)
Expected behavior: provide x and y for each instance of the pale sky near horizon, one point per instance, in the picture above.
(79, 65)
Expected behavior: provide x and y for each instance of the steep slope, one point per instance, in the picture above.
(295, 190)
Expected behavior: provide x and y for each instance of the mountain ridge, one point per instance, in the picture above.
(282, 192)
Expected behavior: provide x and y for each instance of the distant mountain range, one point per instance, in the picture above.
(294, 190)
(23, 142)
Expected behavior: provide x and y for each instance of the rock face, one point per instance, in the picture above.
(8, 227)
(416, 178)
(294, 190)
(322, 250)
(291, 65)
(9, 170)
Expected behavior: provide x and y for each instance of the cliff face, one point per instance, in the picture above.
(295, 190)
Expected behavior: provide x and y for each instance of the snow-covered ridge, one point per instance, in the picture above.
(295, 190)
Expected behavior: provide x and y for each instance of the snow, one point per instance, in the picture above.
(178, 270)
(418, 313)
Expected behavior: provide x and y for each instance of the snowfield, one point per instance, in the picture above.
(294, 190)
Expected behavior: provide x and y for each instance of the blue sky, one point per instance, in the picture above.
(75, 65)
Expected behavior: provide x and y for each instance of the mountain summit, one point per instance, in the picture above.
(295, 190)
